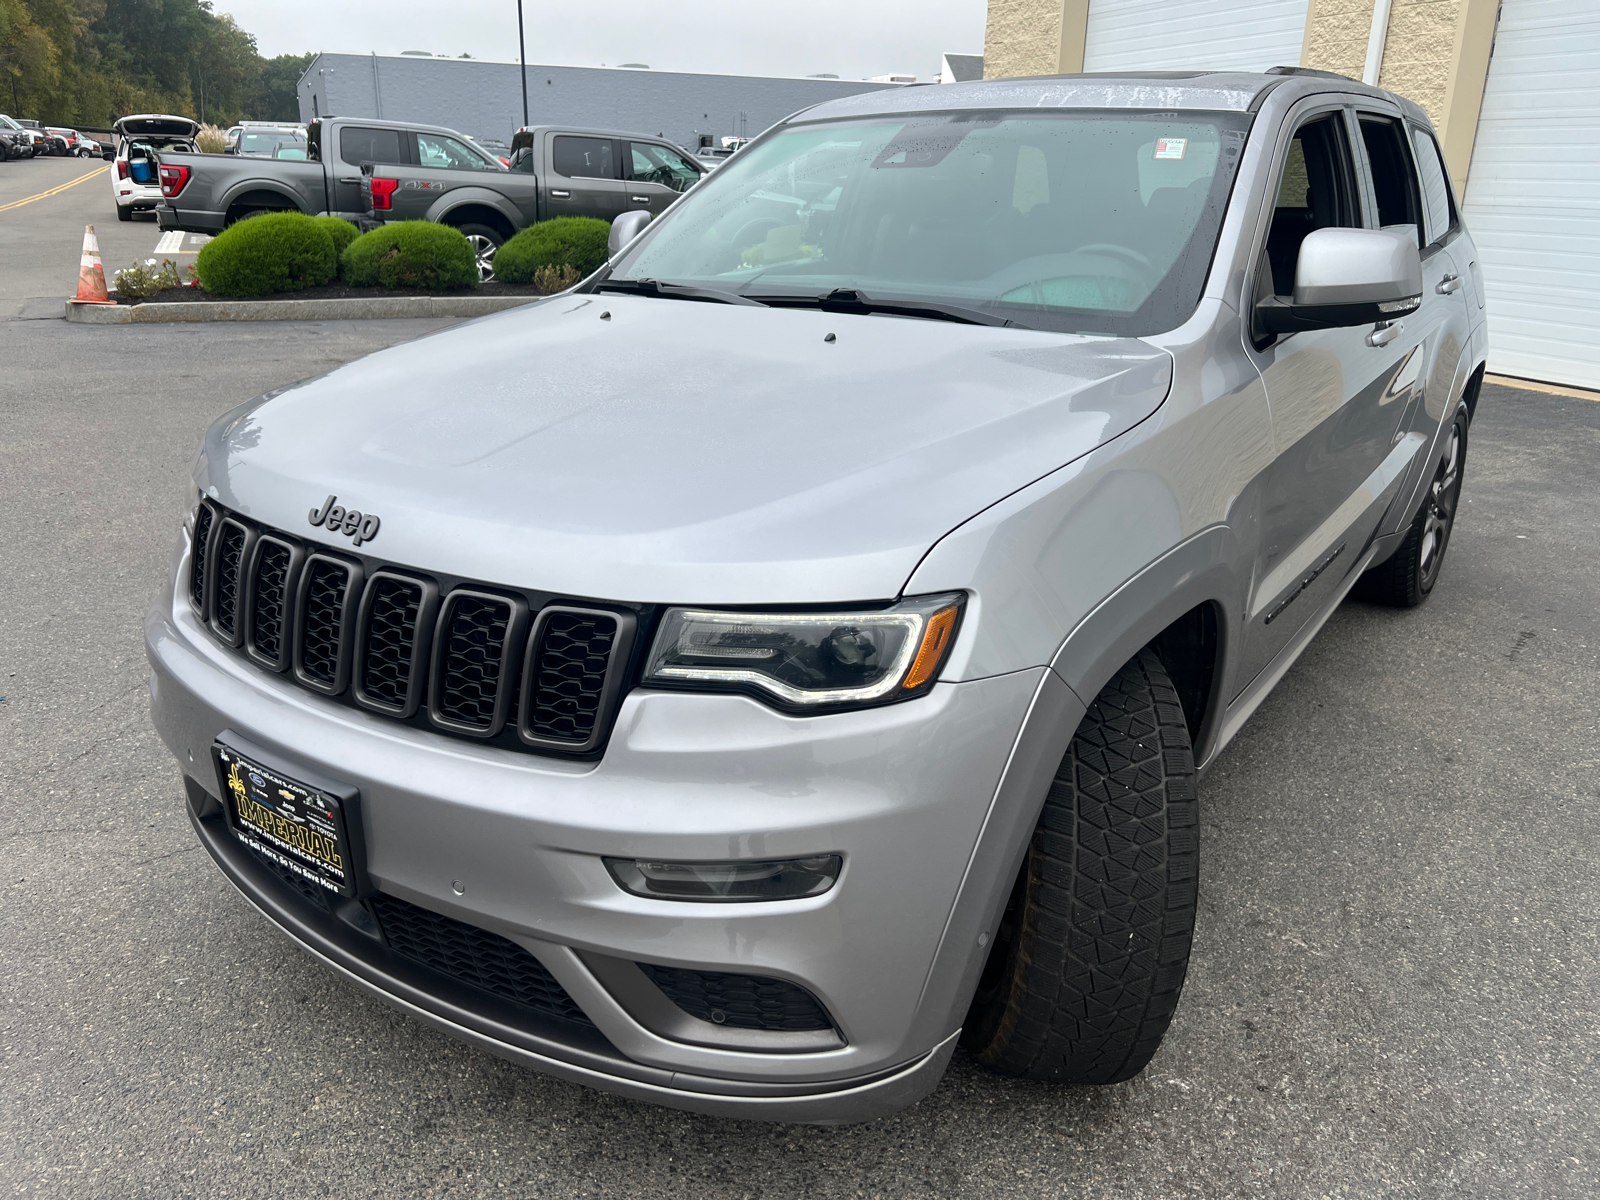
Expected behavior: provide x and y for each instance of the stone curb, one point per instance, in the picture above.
(354, 309)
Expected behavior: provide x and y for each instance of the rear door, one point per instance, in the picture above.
(655, 175)
(584, 179)
(386, 148)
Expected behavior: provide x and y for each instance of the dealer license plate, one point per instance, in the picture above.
(300, 828)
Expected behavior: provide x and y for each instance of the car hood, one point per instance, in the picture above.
(629, 448)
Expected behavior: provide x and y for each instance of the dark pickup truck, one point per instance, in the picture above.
(368, 170)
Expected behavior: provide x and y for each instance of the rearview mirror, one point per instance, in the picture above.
(1349, 277)
(625, 228)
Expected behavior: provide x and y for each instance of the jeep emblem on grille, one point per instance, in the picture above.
(359, 527)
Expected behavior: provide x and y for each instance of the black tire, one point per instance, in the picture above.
(124, 212)
(1407, 577)
(486, 242)
(1086, 969)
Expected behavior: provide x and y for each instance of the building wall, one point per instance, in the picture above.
(1436, 52)
(484, 99)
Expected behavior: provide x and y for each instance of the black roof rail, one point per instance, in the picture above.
(1310, 71)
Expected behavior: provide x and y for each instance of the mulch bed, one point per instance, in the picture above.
(333, 291)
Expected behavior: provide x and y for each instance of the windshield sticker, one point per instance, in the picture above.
(927, 143)
(1170, 147)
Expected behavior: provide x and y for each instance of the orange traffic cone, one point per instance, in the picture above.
(91, 276)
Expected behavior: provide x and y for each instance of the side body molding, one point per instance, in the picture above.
(1200, 570)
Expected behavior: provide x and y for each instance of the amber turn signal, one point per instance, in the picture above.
(935, 641)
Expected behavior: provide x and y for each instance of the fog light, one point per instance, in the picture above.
(727, 882)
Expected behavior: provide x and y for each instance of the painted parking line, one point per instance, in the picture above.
(175, 241)
(54, 191)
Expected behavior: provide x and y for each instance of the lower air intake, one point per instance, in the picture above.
(744, 1001)
(474, 957)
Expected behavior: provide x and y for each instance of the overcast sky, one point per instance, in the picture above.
(849, 38)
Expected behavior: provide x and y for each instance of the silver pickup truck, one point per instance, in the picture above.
(364, 169)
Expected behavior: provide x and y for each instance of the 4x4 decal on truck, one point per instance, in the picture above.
(424, 185)
(335, 518)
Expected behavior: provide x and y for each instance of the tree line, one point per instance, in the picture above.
(88, 62)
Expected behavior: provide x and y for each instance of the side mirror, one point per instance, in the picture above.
(108, 155)
(1349, 277)
(625, 228)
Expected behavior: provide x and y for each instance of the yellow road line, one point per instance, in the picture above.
(54, 191)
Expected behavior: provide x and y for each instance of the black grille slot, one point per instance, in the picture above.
(474, 957)
(231, 542)
(744, 1001)
(388, 655)
(269, 600)
(197, 557)
(568, 675)
(324, 598)
(471, 661)
(308, 891)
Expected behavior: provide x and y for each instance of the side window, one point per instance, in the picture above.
(1435, 186)
(358, 145)
(1394, 183)
(584, 158)
(1316, 191)
(445, 153)
(649, 163)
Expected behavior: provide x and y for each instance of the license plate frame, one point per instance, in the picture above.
(292, 817)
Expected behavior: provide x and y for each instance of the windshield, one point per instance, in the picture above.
(8, 122)
(1088, 221)
(271, 141)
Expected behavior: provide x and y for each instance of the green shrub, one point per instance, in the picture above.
(275, 252)
(576, 242)
(344, 232)
(411, 254)
(555, 279)
(143, 280)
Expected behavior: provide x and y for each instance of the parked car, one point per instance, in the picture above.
(741, 741)
(366, 170)
(268, 139)
(15, 140)
(496, 147)
(139, 140)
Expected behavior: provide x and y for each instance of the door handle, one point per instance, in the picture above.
(640, 199)
(349, 179)
(1448, 284)
(1385, 333)
(559, 195)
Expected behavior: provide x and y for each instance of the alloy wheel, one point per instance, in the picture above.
(1443, 496)
(484, 249)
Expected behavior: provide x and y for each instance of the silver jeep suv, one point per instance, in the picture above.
(743, 740)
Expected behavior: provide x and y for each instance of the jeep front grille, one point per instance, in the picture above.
(448, 655)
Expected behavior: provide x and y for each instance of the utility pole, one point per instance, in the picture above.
(522, 57)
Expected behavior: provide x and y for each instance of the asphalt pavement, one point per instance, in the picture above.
(1395, 978)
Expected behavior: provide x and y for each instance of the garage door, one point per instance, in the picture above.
(1533, 192)
(1176, 35)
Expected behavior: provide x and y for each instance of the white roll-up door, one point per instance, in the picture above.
(1182, 35)
(1533, 192)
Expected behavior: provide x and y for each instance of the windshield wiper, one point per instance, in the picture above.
(675, 291)
(849, 300)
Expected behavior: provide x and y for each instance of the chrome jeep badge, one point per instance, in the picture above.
(358, 527)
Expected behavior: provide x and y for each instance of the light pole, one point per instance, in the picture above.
(522, 57)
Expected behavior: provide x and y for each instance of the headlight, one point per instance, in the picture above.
(808, 662)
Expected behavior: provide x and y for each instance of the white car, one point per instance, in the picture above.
(135, 180)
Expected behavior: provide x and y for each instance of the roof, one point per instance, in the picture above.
(1238, 91)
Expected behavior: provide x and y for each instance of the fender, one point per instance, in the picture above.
(275, 186)
(457, 197)
(1197, 571)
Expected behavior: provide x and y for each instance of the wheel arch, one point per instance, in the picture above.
(258, 195)
(479, 207)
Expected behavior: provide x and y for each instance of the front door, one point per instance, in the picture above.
(1338, 399)
(655, 176)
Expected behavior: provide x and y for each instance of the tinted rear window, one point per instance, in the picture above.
(584, 158)
(358, 145)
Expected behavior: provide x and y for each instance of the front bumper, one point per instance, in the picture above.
(904, 793)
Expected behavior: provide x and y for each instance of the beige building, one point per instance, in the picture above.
(1512, 86)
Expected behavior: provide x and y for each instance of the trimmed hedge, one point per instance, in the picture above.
(576, 242)
(275, 252)
(415, 254)
(344, 232)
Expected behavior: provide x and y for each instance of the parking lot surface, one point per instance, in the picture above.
(1395, 980)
